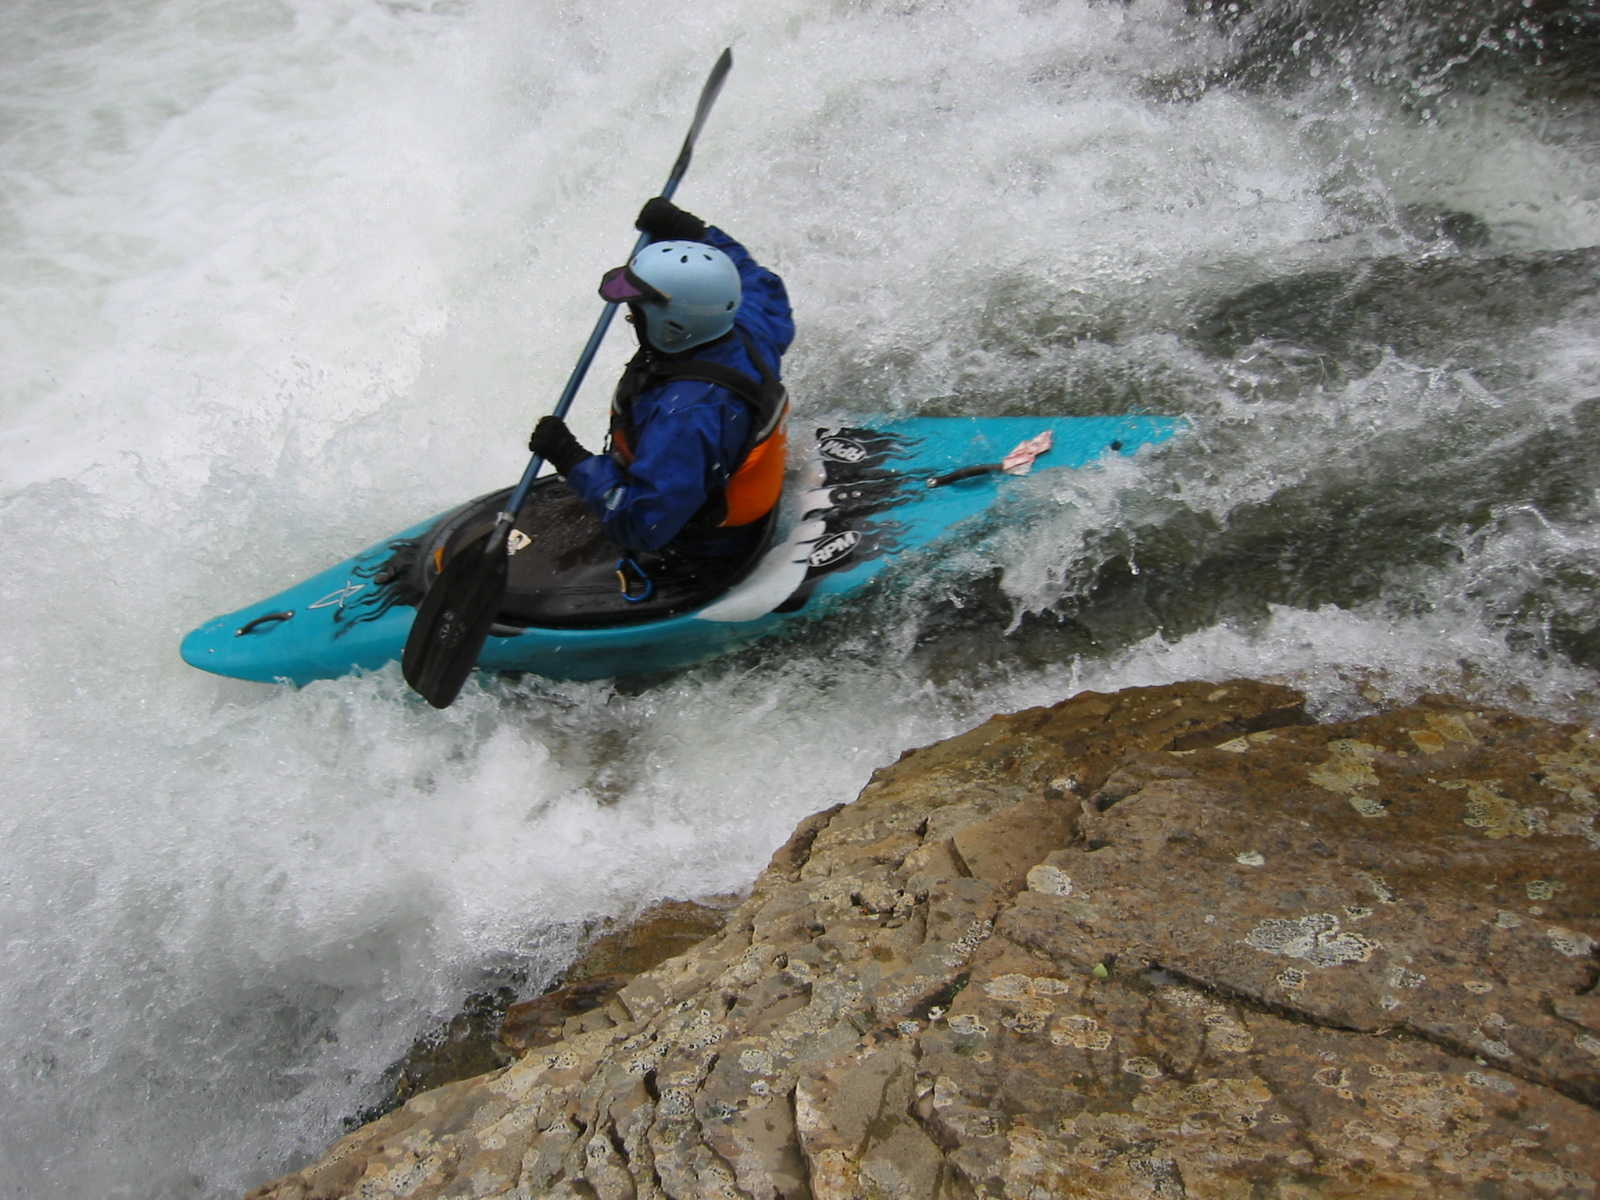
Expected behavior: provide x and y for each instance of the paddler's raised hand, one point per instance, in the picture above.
(664, 221)
(553, 442)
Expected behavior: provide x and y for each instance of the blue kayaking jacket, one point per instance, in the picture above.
(689, 436)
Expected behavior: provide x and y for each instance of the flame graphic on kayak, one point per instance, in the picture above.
(393, 584)
(860, 484)
(855, 453)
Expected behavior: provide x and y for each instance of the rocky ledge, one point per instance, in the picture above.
(1173, 942)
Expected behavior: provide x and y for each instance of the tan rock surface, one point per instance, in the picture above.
(610, 961)
(1172, 942)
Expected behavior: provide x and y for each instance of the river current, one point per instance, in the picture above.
(278, 277)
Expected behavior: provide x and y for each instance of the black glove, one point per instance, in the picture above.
(553, 442)
(664, 221)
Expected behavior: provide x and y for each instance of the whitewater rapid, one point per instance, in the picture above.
(278, 278)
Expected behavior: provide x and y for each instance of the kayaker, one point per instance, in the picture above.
(695, 457)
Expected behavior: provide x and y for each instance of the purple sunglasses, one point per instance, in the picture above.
(621, 286)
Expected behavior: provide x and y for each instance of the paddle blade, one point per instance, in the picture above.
(708, 97)
(453, 621)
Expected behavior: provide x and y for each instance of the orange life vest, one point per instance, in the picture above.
(756, 483)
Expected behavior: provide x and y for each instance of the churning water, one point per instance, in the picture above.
(278, 277)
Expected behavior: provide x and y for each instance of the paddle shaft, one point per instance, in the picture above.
(454, 618)
(708, 95)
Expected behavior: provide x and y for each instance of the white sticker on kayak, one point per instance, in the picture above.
(339, 595)
(834, 548)
(842, 449)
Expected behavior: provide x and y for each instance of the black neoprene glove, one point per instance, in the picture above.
(553, 442)
(664, 221)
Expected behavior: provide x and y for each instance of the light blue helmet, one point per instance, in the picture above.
(702, 291)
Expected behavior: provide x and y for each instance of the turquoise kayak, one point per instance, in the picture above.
(860, 500)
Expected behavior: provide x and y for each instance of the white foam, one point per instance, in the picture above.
(278, 279)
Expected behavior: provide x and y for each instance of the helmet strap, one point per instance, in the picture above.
(636, 319)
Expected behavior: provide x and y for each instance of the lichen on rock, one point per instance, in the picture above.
(1201, 969)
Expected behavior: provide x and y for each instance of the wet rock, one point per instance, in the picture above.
(1433, 310)
(1431, 223)
(1548, 47)
(462, 1047)
(1170, 942)
(492, 1027)
(623, 951)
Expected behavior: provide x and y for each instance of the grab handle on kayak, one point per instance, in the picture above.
(1018, 462)
(963, 473)
(253, 625)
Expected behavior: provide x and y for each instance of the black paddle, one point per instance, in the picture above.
(454, 618)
